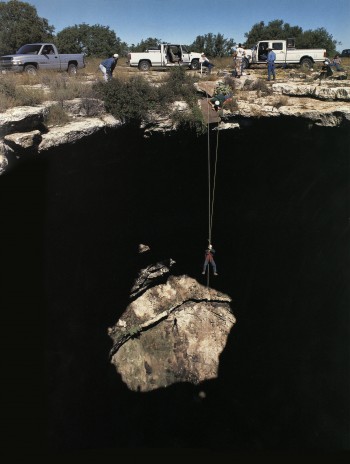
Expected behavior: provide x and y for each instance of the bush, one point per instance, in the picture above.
(261, 87)
(29, 97)
(180, 83)
(134, 100)
(190, 120)
(8, 88)
(56, 116)
(129, 101)
(281, 101)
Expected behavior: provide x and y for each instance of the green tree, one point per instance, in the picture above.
(145, 44)
(277, 29)
(213, 45)
(20, 24)
(93, 40)
(318, 38)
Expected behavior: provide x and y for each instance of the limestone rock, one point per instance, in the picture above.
(3, 162)
(143, 248)
(21, 119)
(74, 131)
(84, 106)
(23, 141)
(146, 276)
(173, 332)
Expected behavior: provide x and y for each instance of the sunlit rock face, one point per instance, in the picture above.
(173, 332)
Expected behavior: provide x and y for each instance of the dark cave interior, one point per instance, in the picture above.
(72, 222)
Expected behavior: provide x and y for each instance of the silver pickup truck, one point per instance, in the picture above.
(31, 58)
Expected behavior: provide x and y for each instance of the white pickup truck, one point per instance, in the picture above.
(165, 55)
(31, 58)
(286, 53)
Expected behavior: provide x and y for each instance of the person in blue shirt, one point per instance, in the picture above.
(107, 66)
(271, 56)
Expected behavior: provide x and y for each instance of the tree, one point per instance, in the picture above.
(93, 40)
(319, 38)
(20, 24)
(145, 44)
(213, 45)
(277, 29)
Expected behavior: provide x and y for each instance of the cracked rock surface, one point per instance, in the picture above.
(173, 332)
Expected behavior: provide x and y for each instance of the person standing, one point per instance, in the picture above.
(107, 66)
(209, 258)
(240, 53)
(271, 57)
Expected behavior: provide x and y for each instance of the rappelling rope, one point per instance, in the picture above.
(211, 191)
(214, 183)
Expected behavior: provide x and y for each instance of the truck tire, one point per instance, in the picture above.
(72, 69)
(144, 65)
(30, 69)
(306, 63)
(194, 65)
(245, 63)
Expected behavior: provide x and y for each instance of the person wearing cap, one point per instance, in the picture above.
(205, 62)
(218, 101)
(326, 70)
(271, 56)
(107, 66)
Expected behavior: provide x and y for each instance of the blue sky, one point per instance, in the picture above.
(182, 20)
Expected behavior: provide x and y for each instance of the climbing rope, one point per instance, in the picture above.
(211, 190)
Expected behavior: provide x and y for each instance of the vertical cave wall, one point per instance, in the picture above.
(74, 219)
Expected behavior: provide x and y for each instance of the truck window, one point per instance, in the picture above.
(184, 49)
(30, 49)
(277, 45)
(48, 50)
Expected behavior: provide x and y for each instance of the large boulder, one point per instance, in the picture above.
(173, 332)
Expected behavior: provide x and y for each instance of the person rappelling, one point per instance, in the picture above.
(209, 258)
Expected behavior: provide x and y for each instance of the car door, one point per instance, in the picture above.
(186, 59)
(279, 49)
(49, 59)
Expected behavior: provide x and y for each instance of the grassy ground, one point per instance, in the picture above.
(25, 90)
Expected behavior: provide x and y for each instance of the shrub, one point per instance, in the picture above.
(91, 106)
(8, 88)
(7, 94)
(260, 86)
(231, 105)
(129, 101)
(178, 85)
(29, 97)
(133, 100)
(56, 116)
(189, 120)
(6, 102)
(230, 82)
(281, 101)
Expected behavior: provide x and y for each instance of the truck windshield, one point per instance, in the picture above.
(29, 49)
